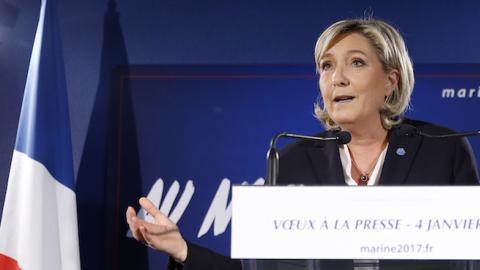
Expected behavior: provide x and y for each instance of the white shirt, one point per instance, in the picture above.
(347, 166)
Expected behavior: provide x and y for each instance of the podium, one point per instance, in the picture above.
(299, 227)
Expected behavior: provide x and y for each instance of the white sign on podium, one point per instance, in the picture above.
(326, 222)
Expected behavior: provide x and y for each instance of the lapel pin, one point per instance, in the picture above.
(401, 151)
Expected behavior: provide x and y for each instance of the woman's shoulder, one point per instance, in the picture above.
(427, 127)
(433, 137)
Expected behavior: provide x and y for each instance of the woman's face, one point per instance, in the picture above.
(352, 81)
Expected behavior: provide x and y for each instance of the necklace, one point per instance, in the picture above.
(365, 175)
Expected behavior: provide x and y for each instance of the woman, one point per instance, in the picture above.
(366, 80)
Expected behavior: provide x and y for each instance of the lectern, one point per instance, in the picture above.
(297, 227)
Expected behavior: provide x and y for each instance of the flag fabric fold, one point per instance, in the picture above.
(39, 221)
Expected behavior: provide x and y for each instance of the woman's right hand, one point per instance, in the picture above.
(162, 234)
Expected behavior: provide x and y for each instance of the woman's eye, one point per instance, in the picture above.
(358, 63)
(326, 66)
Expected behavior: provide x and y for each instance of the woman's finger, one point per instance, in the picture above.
(149, 207)
(129, 214)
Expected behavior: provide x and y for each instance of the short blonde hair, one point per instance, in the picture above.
(391, 51)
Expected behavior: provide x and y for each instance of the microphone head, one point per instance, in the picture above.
(406, 130)
(343, 137)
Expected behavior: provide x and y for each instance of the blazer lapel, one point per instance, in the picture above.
(401, 153)
(325, 162)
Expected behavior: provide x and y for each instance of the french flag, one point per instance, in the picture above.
(39, 222)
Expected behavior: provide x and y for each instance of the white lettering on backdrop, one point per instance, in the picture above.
(219, 213)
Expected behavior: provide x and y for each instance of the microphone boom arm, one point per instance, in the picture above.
(273, 157)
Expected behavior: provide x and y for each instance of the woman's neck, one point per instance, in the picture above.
(367, 135)
(368, 142)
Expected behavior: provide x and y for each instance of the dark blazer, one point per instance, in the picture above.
(410, 160)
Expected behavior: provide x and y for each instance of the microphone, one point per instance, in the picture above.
(342, 137)
(408, 130)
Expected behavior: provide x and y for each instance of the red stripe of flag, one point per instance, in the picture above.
(7, 263)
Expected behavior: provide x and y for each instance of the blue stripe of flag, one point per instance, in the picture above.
(44, 125)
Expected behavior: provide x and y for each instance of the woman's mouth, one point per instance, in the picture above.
(343, 99)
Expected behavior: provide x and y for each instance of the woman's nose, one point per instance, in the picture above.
(339, 78)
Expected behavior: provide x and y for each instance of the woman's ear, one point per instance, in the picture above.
(393, 76)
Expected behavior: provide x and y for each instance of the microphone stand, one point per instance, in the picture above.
(272, 161)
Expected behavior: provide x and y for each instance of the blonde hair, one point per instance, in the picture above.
(391, 51)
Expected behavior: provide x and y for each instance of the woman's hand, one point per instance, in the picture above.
(162, 234)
